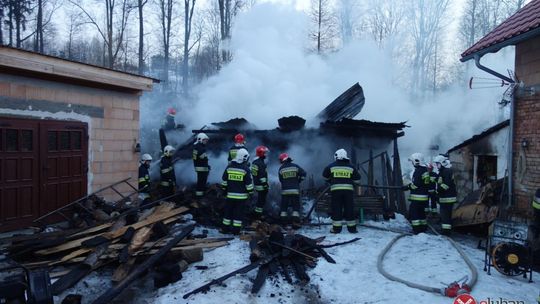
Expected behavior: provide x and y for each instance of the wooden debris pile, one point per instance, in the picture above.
(126, 244)
(275, 253)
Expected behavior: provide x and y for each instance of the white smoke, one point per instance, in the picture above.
(273, 75)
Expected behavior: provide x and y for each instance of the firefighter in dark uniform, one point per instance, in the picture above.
(260, 179)
(169, 122)
(144, 179)
(237, 183)
(200, 162)
(446, 189)
(536, 208)
(419, 194)
(342, 175)
(239, 143)
(290, 176)
(168, 178)
(433, 197)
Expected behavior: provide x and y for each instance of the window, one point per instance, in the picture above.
(64, 140)
(52, 141)
(27, 141)
(76, 138)
(12, 140)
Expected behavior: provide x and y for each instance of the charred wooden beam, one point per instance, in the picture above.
(116, 290)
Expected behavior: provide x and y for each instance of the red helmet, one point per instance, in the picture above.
(171, 111)
(239, 138)
(283, 157)
(260, 151)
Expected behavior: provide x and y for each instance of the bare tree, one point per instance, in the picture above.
(140, 7)
(427, 20)
(347, 18)
(18, 10)
(189, 7)
(116, 21)
(166, 18)
(227, 10)
(385, 18)
(45, 12)
(325, 24)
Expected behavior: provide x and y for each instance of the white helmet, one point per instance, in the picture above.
(340, 154)
(168, 150)
(417, 159)
(201, 137)
(242, 155)
(439, 159)
(146, 157)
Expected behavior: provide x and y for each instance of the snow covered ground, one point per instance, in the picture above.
(424, 258)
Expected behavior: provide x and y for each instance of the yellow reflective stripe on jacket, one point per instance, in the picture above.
(412, 186)
(289, 172)
(418, 197)
(202, 169)
(263, 180)
(536, 203)
(290, 192)
(166, 170)
(341, 172)
(447, 199)
(249, 187)
(259, 188)
(144, 179)
(445, 186)
(233, 195)
(166, 184)
(341, 187)
(254, 170)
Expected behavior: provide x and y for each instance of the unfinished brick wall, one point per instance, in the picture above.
(112, 134)
(527, 126)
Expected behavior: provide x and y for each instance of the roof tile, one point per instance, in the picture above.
(524, 20)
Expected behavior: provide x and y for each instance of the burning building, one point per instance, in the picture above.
(372, 146)
(66, 129)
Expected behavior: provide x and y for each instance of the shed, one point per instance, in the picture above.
(66, 130)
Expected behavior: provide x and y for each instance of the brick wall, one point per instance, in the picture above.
(111, 137)
(526, 161)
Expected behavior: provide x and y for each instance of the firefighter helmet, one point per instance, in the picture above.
(146, 157)
(340, 154)
(417, 159)
(283, 157)
(239, 138)
(242, 155)
(168, 150)
(261, 151)
(443, 160)
(171, 111)
(201, 137)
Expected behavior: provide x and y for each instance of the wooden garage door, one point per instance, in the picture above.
(43, 166)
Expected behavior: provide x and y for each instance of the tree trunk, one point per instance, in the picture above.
(109, 16)
(319, 30)
(38, 43)
(188, 16)
(141, 37)
(10, 25)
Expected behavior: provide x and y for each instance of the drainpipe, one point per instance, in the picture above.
(511, 137)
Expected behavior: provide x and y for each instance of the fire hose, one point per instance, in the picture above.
(453, 289)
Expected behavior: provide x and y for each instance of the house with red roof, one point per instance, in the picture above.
(521, 30)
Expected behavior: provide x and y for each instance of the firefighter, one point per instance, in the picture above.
(290, 176)
(418, 197)
(536, 208)
(433, 197)
(342, 175)
(260, 179)
(239, 143)
(200, 162)
(168, 178)
(446, 189)
(169, 123)
(144, 179)
(237, 184)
